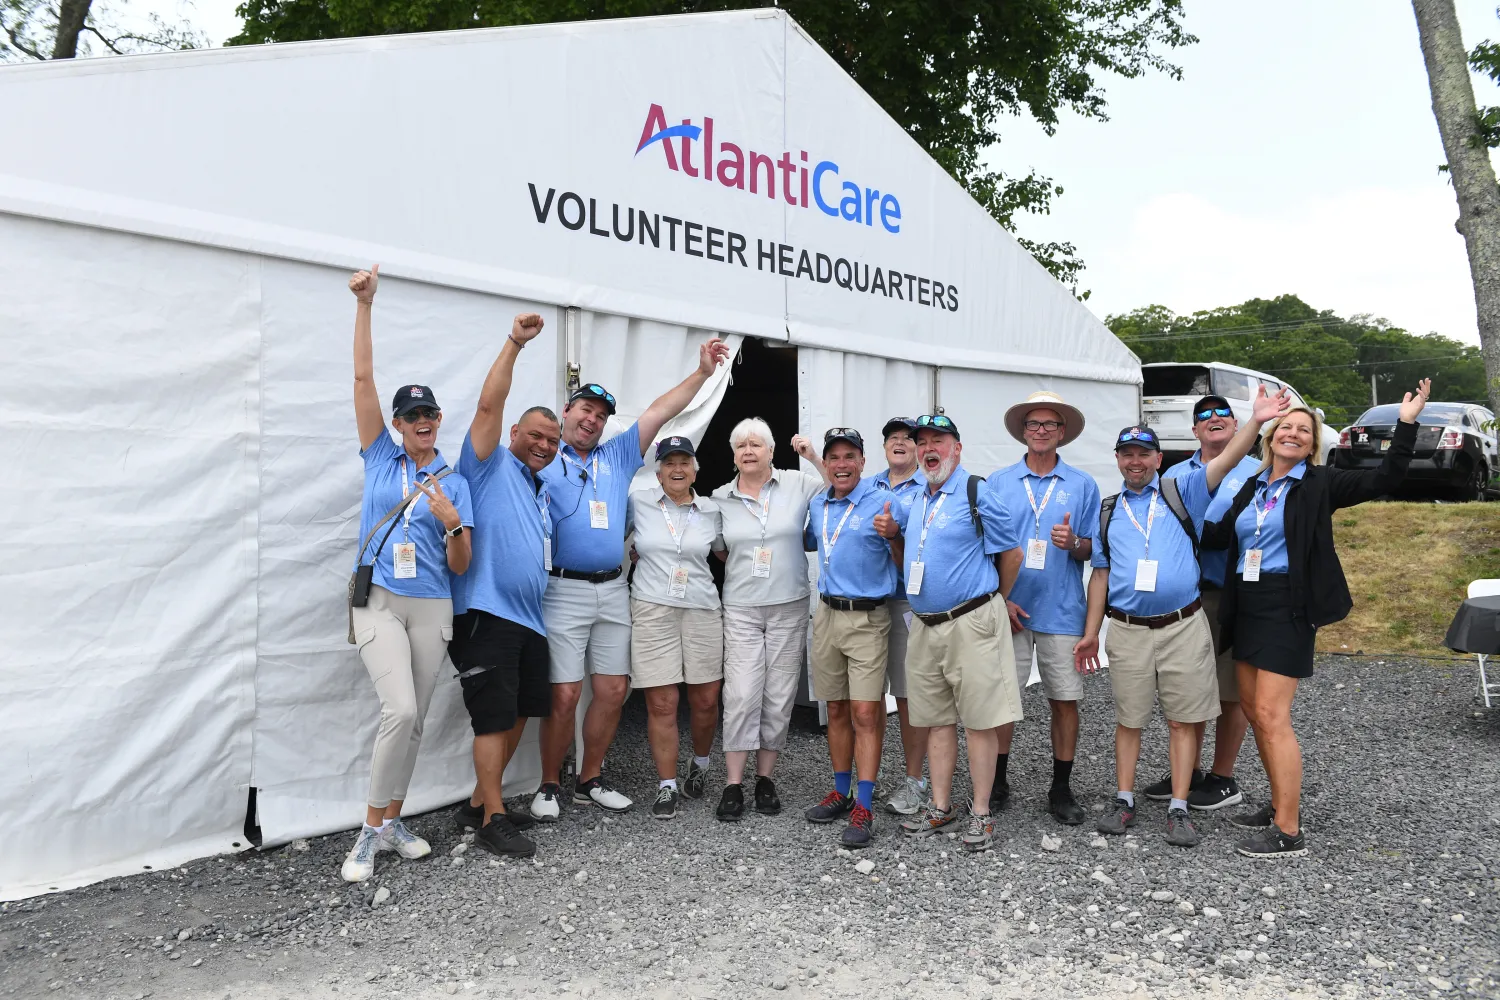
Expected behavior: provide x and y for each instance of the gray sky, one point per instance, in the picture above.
(1298, 154)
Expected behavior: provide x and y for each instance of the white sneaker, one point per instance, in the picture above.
(545, 807)
(910, 797)
(360, 864)
(601, 794)
(396, 837)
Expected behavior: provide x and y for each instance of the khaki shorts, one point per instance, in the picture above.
(1054, 661)
(1174, 664)
(670, 645)
(895, 661)
(849, 651)
(956, 671)
(1229, 681)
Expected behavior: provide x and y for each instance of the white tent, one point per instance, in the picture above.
(175, 235)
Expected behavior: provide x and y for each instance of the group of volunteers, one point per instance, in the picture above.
(933, 585)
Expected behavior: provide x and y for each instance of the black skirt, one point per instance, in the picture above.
(1265, 634)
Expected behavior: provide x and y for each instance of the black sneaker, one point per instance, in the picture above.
(831, 808)
(767, 803)
(468, 817)
(1062, 805)
(1271, 843)
(1161, 791)
(500, 836)
(1180, 829)
(861, 828)
(697, 778)
(731, 803)
(665, 806)
(1257, 820)
(1216, 792)
(1120, 815)
(999, 794)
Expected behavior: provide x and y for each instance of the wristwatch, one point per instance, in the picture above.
(1077, 541)
(455, 532)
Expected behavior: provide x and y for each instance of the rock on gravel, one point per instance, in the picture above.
(865, 866)
(1051, 843)
(1099, 876)
(1164, 895)
(381, 895)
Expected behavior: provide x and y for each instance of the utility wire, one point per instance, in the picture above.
(1370, 364)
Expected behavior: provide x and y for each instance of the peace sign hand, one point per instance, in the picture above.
(440, 506)
(363, 284)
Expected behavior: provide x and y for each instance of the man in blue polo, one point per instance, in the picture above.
(960, 666)
(900, 478)
(1159, 643)
(587, 604)
(1055, 508)
(851, 628)
(1214, 424)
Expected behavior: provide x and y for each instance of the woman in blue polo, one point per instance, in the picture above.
(404, 629)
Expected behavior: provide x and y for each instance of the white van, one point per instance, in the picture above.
(1170, 388)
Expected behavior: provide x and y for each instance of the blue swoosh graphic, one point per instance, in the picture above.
(691, 131)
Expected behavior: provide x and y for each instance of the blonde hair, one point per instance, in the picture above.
(752, 427)
(1315, 458)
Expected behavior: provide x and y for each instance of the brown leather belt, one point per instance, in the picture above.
(852, 603)
(1157, 621)
(958, 612)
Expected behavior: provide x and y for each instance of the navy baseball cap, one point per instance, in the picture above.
(594, 390)
(1211, 402)
(848, 434)
(907, 424)
(671, 445)
(938, 422)
(1136, 434)
(411, 397)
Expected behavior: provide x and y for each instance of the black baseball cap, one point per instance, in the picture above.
(907, 424)
(1210, 401)
(1136, 434)
(411, 397)
(671, 445)
(938, 422)
(593, 390)
(848, 434)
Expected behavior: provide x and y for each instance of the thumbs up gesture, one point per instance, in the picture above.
(1062, 534)
(885, 524)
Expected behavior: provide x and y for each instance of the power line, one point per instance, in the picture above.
(1371, 364)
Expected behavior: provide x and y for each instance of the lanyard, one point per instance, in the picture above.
(1262, 512)
(1150, 519)
(411, 507)
(676, 538)
(543, 506)
(827, 543)
(1026, 481)
(764, 513)
(927, 520)
(583, 468)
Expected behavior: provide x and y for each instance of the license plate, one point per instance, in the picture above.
(1385, 445)
(1153, 418)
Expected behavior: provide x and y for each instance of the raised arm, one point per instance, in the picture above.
(1347, 488)
(804, 447)
(367, 414)
(489, 417)
(1266, 408)
(675, 400)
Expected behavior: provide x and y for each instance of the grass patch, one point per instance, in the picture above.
(1409, 566)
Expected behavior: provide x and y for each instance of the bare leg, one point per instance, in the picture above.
(1064, 729)
(734, 766)
(703, 704)
(1182, 750)
(1279, 749)
(983, 746)
(1003, 735)
(601, 720)
(841, 736)
(942, 759)
(913, 741)
(661, 728)
(491, 754)
(557, 728)
(1229, 736)
(1127, 754)
(765, 762)
(869, 735)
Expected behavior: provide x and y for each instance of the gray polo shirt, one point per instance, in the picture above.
(786, 516)
(699, 525)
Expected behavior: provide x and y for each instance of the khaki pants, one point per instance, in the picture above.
(849, 651)
(963, 670)
(1229, 681)
(763, 648)
(1174, 665)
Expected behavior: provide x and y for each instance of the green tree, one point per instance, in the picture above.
(949, 73)
(65, 29)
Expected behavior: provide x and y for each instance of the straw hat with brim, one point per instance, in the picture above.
(1015, 417)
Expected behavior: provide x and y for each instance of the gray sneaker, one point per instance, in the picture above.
(1180, 829)
(909, 798)
(979, 833)
(929, 820)
(396, 837)
(360, 864)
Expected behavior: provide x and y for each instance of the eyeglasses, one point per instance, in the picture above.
(420, 413)
(597, 391)
(937, 420)
(1043, 425)
(1213, 411)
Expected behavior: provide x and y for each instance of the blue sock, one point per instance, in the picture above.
(866, 793)
(841, 782)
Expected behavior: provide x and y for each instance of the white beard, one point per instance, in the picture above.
(944, 470)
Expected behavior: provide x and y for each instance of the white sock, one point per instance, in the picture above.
(1177, 804)
(701, 761)
(1129, 798)
(668, 783)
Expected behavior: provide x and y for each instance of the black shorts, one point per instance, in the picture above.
(1266, 636)
(504, 670)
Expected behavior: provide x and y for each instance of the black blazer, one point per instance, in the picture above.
(1320, 595)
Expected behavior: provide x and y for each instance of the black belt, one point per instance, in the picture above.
(852, 604)
(573, 574)
(958, 612)
(1158, 621)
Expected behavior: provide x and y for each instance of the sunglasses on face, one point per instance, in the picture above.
(1043, 425)
(598, 392)
(936, 420)
(1213, 411)
(420, 413)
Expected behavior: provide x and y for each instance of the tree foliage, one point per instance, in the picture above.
(62, 29)
(1327, 358)
(949, 73)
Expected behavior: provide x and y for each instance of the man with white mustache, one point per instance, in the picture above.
(960, 664)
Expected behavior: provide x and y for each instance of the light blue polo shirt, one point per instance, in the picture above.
(858, 563)
(1272, 539)
(1212, 562)
(1052, 595)
(573, 483)
(957, 562)
(1176, 569)
(384, 462)
(506, 574)
(905, 492)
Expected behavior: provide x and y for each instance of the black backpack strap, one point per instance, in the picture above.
(974, 482)
(1106, 511)
(1173, 497)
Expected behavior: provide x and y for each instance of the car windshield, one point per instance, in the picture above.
(1434, 414)
(1175, 380)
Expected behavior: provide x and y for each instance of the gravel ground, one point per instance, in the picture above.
(1400, 897)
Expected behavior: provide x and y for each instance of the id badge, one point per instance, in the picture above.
(598, 514)
(1145, 574)
(1036, 554)
(405, 555)
(547, 554)
(761, 570)
(1252, 565)
(914, 578)
(678, 587)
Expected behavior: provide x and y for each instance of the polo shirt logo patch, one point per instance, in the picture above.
(853, 522)
(1234, 485)
(1062, 496)
(942, 520)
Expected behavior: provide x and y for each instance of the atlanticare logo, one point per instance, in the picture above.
(690, 149)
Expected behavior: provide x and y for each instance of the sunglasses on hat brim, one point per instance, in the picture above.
(937, 422)
(594, 390)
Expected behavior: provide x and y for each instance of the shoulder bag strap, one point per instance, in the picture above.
(1173, 496)
(391, 514)
(1106, 511)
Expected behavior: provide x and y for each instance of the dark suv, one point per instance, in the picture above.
(1455, 452)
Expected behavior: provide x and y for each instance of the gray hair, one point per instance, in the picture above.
(659, 461)
(752, 427)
